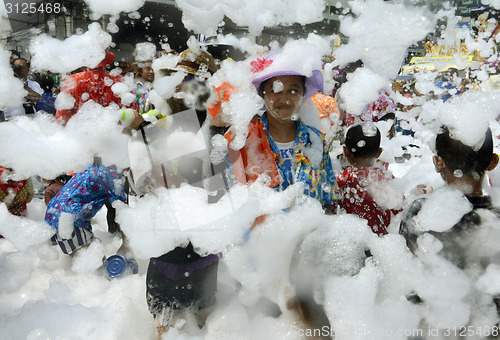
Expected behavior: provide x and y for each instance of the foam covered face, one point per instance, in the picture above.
(283, 96)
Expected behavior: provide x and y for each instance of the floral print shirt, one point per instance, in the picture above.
(141, 95)
(312, 163)
(85, 194)
(354, 187)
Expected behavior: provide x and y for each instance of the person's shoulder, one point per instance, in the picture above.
(349, 170)
(480, 203)
(380, 172)
(107, 170)
(347, 175)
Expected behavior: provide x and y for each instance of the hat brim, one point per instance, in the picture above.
(313, 83)
(180, 68)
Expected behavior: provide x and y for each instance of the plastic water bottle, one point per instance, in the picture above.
(120, 266)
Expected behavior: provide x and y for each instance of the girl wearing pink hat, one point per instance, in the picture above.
(279, 144)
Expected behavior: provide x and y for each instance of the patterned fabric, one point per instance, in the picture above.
(85, 194)
(47, 103)
(456, 241)
(319, 179)
(15, 194)
(141, 93)
(327, 107)
(254, 159)
(286, 154)
(374, 111)
(354, 183)
(79, 238)
(88, 85)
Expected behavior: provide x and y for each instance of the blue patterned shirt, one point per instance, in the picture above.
(85, 194)
(320, 181)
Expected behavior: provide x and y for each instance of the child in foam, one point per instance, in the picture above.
(362, 147)
(463, 168)
(471, 244)
(71, 210)
(279, 144)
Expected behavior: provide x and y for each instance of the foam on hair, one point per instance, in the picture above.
(462, 159)
(363, 140)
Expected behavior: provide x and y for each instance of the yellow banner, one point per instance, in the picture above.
(444, 59)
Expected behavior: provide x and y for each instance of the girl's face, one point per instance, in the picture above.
(147, 72)
(283, 96)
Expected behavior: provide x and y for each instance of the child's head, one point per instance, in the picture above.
(457, 161)
(362, 143)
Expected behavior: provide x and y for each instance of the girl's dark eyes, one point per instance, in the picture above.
(291, 91)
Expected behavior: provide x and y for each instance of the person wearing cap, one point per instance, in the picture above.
(91, 84)
(193, 92)
(288, 150)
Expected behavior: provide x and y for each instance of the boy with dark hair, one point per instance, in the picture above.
(362, 141)
(362, 147)
(463, 168)
(472, 243)
(463, 162)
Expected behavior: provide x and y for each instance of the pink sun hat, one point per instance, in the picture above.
(278, 65)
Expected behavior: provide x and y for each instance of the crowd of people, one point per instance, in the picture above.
(280, 148)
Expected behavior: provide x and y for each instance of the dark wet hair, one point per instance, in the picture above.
(353, 66)
(458, 156)
(387, 116)
(361, 145)
(23, 59)
(46, 82)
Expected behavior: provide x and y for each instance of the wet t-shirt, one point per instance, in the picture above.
(286, 153)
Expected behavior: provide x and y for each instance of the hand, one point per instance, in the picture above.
(32, 95)
(424, 189)
(138, 119)
(218, 121)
